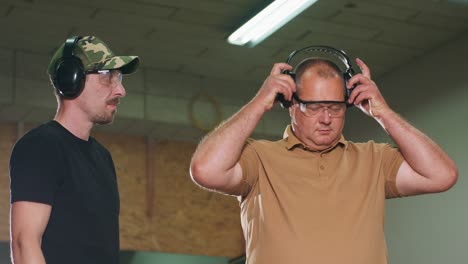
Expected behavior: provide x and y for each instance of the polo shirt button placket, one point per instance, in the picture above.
(321, 166)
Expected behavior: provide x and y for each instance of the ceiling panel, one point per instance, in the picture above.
(183, 49)
(439, 21)
(5, 9)
(198, 17)
(300, 26)
(399, 33)
(242, 3)
(6, 62)
(383, 10)
(212, 6)
(139, 9)
(29, 18)
(128, 22)
(186, 29)
(446, 8)
(416, 38)
(323, 10)
(55, 10)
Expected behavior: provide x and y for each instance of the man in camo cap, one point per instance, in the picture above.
(64, 196)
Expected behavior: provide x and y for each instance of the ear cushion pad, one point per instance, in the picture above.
(69, 77)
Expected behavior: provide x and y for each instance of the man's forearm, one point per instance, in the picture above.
(27, 253)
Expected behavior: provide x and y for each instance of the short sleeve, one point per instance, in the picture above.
(391, 162)
(249, 163)
(36, 170)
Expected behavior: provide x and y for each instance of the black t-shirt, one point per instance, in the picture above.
(77, 178)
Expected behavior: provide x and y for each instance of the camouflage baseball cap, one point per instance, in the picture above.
(96, 55)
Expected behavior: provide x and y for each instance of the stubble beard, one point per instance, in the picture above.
(104, 119)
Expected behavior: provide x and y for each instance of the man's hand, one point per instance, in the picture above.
(366, 95)
(276, 83)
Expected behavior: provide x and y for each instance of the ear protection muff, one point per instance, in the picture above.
(341, 55)
(69, 74)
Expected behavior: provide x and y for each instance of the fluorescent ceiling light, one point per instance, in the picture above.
(268, 21)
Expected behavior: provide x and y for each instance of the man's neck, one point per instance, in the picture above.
(313, 147)
(76, 123)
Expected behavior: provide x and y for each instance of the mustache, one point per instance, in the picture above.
(114, 101)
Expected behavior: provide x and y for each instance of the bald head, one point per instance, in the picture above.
(320, 67)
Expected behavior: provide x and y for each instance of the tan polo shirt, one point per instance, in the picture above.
(301, 206)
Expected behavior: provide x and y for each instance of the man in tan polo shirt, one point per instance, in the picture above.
(313, 197)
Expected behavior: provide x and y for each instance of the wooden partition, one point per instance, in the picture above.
(8, 134)
(161, 208)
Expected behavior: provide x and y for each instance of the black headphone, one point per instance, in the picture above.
(341, 55)
(69, 74)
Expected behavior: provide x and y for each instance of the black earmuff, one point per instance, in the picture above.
(341, 55)
(69, 74)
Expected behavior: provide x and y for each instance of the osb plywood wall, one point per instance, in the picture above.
(161, 208)
(7, 138)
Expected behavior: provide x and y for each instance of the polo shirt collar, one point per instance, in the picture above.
(292, 141)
